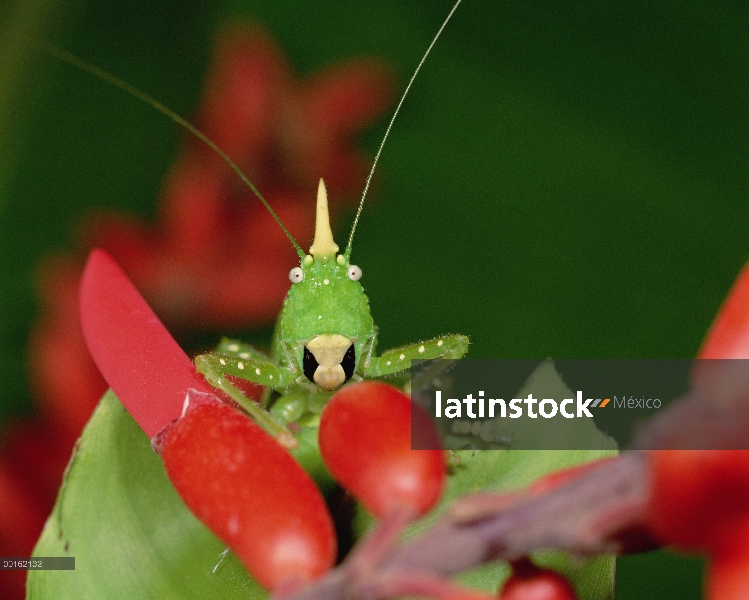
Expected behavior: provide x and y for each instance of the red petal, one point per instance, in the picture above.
(559, 478)
(138, 357)
(22, 514)
(246, 78)
(37, 453)
(350, 96)
(66, 381)
(728, 336)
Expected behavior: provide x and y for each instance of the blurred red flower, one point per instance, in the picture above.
(215, 259)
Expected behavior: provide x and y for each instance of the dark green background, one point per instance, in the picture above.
(567, 179)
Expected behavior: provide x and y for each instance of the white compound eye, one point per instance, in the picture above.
(296, 275)
(353, 273)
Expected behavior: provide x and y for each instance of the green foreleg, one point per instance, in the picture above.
(215, 366)
(399, 359)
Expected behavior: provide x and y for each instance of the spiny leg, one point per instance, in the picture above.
(399, 359)
(215, 366)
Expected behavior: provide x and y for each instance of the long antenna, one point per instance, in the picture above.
(83, 64)
(390, 126)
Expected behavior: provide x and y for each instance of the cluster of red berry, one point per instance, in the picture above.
(212, 452)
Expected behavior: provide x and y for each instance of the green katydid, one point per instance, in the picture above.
(325, 334)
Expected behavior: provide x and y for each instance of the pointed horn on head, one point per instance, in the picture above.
(323, 246)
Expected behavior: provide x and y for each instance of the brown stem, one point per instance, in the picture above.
(599, 512)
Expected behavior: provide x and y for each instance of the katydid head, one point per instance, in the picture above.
(325, 322)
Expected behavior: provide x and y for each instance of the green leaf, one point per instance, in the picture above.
(593, 579)
(131, 535)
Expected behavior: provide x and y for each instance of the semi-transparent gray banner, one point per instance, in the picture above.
(583, 404)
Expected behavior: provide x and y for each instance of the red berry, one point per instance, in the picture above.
(249, 491)
(728, 567)
(365, 440)
(528, 582)
(698, 496)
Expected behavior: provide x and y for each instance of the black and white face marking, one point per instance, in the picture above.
(329, 361)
